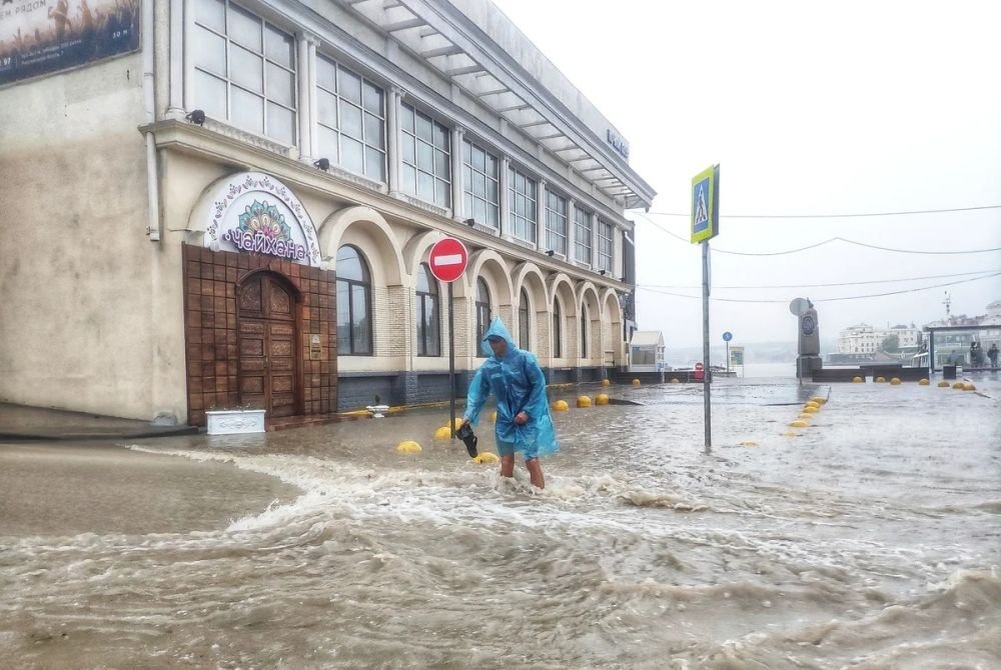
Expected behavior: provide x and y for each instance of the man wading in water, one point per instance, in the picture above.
(523, 420)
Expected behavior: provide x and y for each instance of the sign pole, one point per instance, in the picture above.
(705, 345)
(451, 362)
(728, 359)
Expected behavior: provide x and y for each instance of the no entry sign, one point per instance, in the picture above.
(448, 259)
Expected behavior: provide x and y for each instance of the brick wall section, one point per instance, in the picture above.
(210, 329)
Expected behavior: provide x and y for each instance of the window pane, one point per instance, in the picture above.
(352, 154)
(467, 204)
(281, 85)
(327, 143)
(244, 28)
(423, 278)
(281, 123)
(425, 156)
(247, 110)
(441, 164)
(479, 211)
(326, 105)
(408, 149)
(425, 186)
(373, 99)
(466, 152)
(491, 166)
(409, 176)
(407, 118)
(493, 214)
(325, 74)
(211, 13)
(375, 131)
(348, 264)
(423, 127)
(211, 95)
(348, 85)
(440, 136)
(278, 46)
(343, 317)
(246, 69)
(360, 320)
(350, 119)
(431, 321)
(479, 185)
(210, 51)
(375, 164)
(443, 193)
(479, 159)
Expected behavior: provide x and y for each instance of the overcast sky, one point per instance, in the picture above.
(808, 108)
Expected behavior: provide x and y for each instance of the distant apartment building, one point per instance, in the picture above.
(865, 339)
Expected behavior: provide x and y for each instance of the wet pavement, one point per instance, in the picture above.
(869, 539)
(20, 423)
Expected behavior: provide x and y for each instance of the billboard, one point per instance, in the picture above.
(39, 37)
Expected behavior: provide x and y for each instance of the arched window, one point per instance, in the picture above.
(524, 339)
(583, 332)
(482, 313)
(426, 313)
(354, 303)
(557, 330)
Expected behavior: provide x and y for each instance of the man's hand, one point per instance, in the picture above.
(520, 418)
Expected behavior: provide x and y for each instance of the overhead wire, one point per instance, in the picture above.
(820, 244)
(817, 300)
(847, 215)
(827, 285)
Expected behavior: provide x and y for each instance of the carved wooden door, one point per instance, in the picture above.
(268, 360)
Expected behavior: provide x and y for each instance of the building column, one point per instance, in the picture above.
(393, 154)
(571, 230)
(305, 97)
(595, 223)
(175, 105)
(540, 216)
(504, 205)
(314, 137)
(458, 211)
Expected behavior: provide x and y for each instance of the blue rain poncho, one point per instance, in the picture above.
(518, 384)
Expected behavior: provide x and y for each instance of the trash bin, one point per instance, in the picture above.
(948, 372)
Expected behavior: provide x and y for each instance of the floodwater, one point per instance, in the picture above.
(871, 539)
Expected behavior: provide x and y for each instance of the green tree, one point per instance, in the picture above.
(891, 344)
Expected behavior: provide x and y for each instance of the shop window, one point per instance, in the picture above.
(354, 303)
(482, 314)
(244, 70)
(524, 334)
(557, 330)
(426, 310)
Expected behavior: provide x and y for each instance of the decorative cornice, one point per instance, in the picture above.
(426, 206)
(247, 137)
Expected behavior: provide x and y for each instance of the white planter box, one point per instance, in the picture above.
(235, 421)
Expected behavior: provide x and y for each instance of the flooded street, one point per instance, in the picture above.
(870, 539)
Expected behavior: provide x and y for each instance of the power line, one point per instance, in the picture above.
(848, 297)
(820, 244)
(848, 283)
(852, 215)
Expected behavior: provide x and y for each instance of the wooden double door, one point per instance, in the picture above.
(268, 326)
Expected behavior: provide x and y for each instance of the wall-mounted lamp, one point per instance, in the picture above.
(196, 116)
(550, 253)
(322, 163)
(601, 272)
(470, 222)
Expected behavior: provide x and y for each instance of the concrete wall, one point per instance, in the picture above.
(75, 278)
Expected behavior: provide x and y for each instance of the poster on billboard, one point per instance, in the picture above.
(39, 37)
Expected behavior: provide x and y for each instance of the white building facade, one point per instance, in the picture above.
(865, 339)
(237, 207)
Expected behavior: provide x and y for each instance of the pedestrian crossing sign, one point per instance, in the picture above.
(705, 204)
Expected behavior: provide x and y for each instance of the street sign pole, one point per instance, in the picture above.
(451, 361)
(728, 359)
(705, 346)
(448, 259)
(705, 226)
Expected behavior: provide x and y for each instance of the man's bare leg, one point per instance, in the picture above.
(507, 466)
(535, 473)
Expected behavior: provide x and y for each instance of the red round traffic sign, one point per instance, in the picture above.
(699, 367)
(448, 259)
